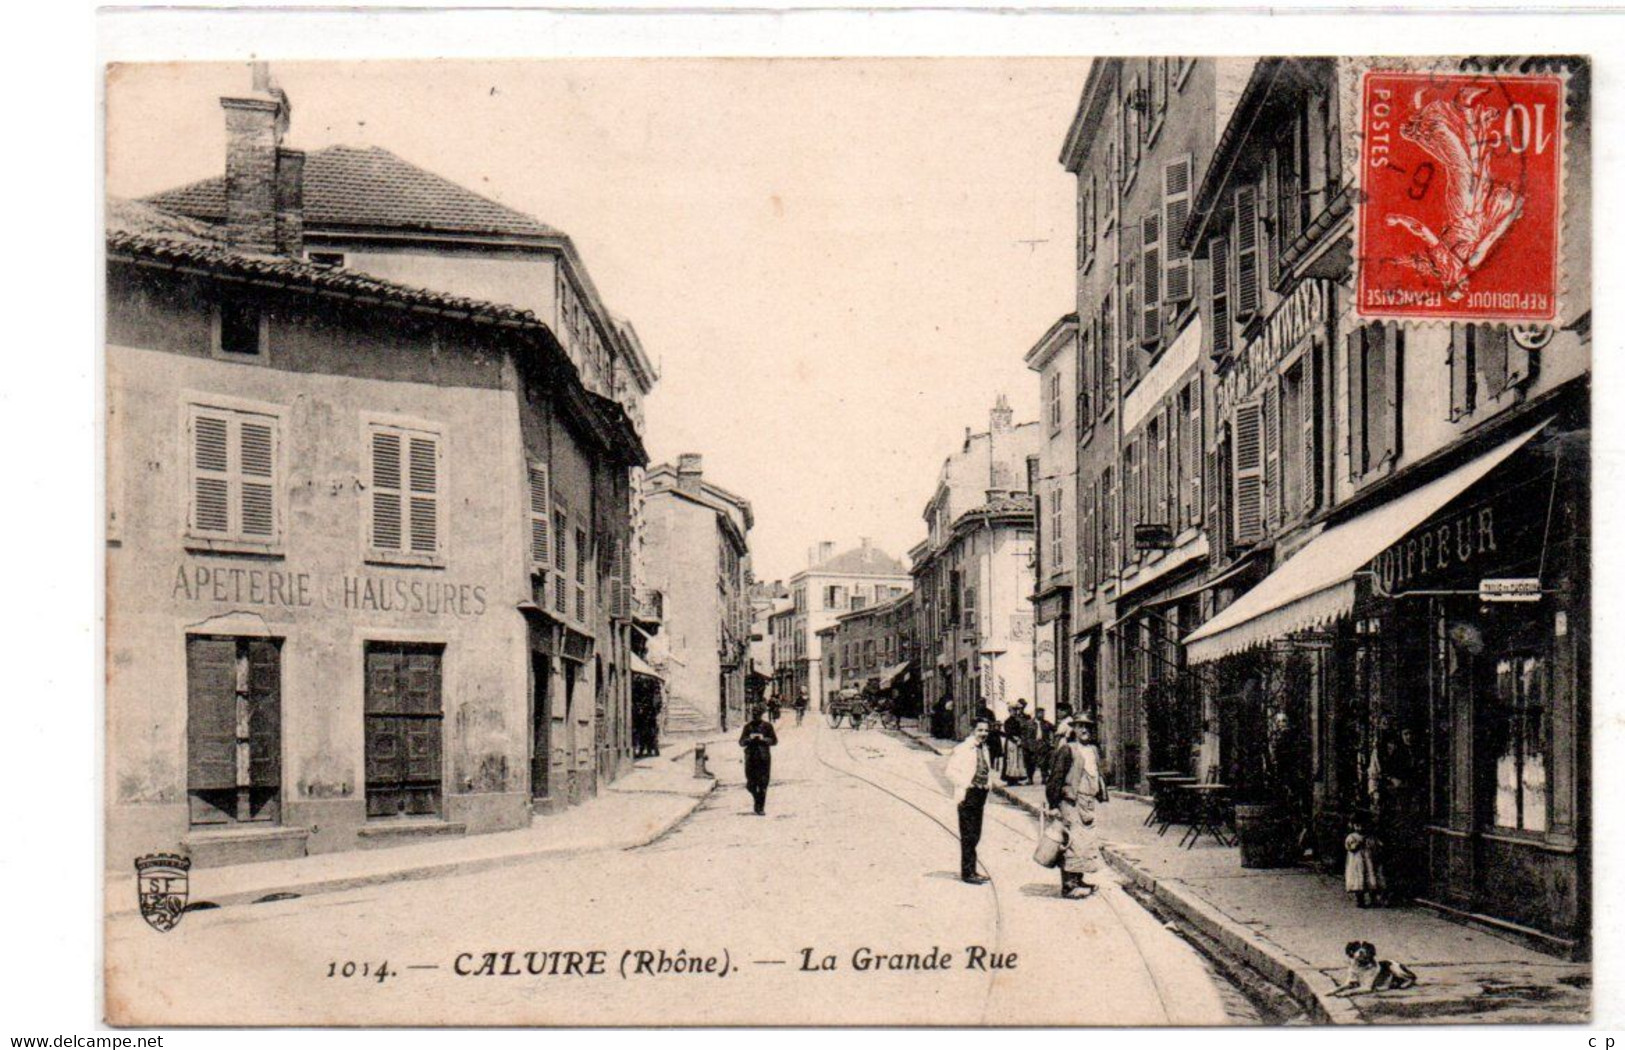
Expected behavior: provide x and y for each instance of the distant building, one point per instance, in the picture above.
(699, 561)
(833, 584)
(973, 577)
(764, 597)
(872, 650)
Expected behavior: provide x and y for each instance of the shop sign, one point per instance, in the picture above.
(347, 592)
(1153, 537)
(1509, 590)
(1305, 311)
(1435, 549)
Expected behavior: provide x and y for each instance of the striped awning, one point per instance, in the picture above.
(1317, 584)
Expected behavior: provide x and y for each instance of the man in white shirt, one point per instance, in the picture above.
(970, 767)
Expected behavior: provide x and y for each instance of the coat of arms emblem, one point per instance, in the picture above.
(161, 882)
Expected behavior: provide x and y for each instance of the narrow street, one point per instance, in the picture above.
(856, 859)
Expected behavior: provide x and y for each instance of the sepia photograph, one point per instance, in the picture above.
(796, 541)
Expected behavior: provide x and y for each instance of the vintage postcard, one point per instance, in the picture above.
(691, 542)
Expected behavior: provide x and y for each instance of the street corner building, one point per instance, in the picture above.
(373, 446)
(973, 577)
(1331, 557)
(697, 542)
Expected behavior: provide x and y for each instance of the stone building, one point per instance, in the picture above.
(833, 584)
(973, 577)
(343, 513)
(1055, 358)
(699, 560)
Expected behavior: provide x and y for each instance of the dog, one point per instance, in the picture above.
(1367, 973)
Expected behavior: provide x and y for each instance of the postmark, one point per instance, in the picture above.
(1460, 210)
(162, 888)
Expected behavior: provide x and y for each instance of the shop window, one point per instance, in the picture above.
(1520, 743)
(233, 730)
(235, 476)
(403, 729)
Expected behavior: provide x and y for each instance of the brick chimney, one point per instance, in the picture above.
(690, 469)
(264, 181)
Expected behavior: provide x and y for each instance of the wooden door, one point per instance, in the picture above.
(233, 729)
(403, 729)
(541, 720)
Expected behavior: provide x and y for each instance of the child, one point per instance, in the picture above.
(1361, 876)
(1367, 973)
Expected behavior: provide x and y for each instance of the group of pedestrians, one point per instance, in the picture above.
(1073, 786)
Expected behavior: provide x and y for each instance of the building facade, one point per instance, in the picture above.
(1054, 486)
(699, 560)
(871, 651)
(833, 584)
(1296, 525)
(328, 579)
(973, 577)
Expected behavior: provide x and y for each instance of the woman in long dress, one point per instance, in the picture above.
(1015, 744)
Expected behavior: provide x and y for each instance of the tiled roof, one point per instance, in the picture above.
(1013, 503)
(142, 231)
(370, 187)
(863, 560)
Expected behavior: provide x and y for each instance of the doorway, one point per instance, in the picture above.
(541, 724)
(403, 730)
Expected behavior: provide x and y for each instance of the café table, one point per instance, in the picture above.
(1210, 813)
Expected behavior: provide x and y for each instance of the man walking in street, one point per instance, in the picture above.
(801, 706)
(758, 738)
(970, 767)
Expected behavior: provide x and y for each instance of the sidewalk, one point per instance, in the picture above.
(646, 803)
(1290, 925)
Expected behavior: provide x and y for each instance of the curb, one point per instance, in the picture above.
(1291, 975)
(340, 883)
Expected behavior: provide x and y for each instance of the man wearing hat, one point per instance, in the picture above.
(970, 769)
(1072, 786)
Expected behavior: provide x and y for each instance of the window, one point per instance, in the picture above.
(1057, 548)
(235, 477)
(1113, 523)
(561, 561)
(1055, 401)
(239, 331)
(1176, 211)
(1151, 277)
(1297, 442)
(1106, 354)
(1220, 335)
(1247, 291)
(1374, 398)
(405, 493)
(1087, 234)
(233, 730)
(970, 607)
(1484, 365)
(1247, 476)
(1520, 741)
(581, 554)
(541, 517)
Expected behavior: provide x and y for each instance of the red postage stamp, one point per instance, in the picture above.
(1461, 209)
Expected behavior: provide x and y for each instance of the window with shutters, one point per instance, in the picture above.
(1487, 369)
(1248, 289)
(561, 560)
(1113, 524)
(1151, 277)
(233, 730)
(1057, 546)
(1088, 234)
(235, 464)
(1085, 377)
(404, 493)
(541, 518)
(241, 332)
(1055, 413)
(1176, 210)
(1297, 442)
(1156, 97)
(1106, 354)
(1272, 454)
(1221, 328)
(1375, 398)
(1188, 455)
(1247, 474)
(582, 553)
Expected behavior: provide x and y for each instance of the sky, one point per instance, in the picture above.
(837, 265)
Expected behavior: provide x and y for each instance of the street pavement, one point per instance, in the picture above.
(728, 918)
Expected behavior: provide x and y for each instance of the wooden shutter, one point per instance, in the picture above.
(1151, 277)
(1517, 364)
(541, 514)
(425, 494)
(387, 532)
(1193, 454)
(257, 465)
(1272, 453)
(1247, 476)
(1212, 489)
(1459, 361)
(581, 553)
(1161, 510)
(1129, 275)
(1386, 367)
(1491, 340)
(1247, 278)
(1271, 242)
(1354, 367)
(1176, 211)
(211, 713)
(1219, 317)
(561, 560)
(264, 713)
(211, 473)
(1308, 399)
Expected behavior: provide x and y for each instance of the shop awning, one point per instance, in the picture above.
(1316, 585)
(641, 666)
(890, 675)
